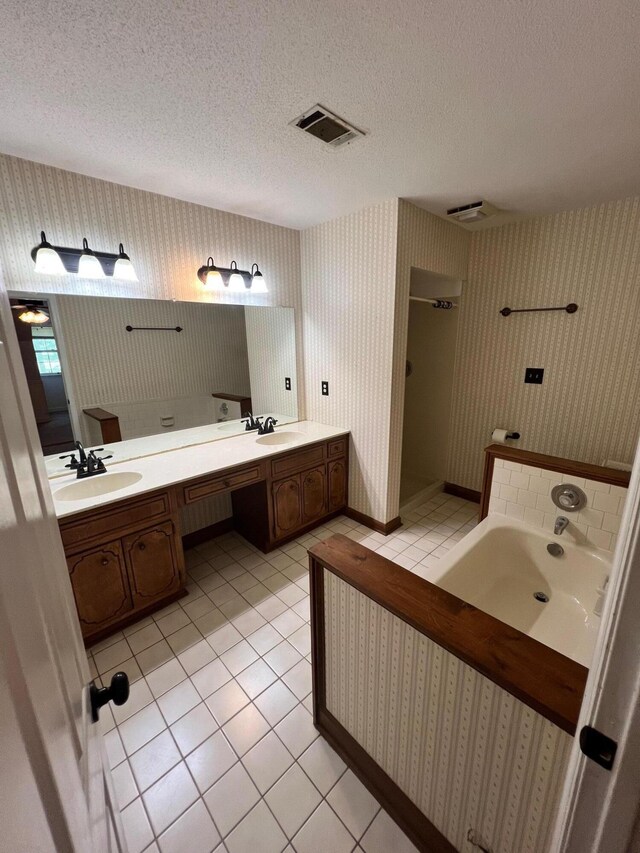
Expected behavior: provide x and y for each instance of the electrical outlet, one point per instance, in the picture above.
(534, 375)
(287, 383)
(325, 388)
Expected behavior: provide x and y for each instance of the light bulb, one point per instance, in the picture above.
(213, 280)
(123, 268)
(236, 281)
(48, 261)
(89, 266)
(258, 284)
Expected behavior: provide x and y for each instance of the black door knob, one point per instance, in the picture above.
(117, 692)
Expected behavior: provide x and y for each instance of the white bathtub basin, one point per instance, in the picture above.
(501, 564)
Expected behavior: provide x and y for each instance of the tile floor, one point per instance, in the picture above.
(215, 749)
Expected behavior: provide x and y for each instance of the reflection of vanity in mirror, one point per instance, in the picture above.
(115, 373)
(158, 385)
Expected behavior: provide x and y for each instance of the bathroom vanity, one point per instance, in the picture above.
(124, 547)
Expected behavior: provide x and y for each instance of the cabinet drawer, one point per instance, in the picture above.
(338, 447)
(298, 461)
(112, 519)
(224, 483)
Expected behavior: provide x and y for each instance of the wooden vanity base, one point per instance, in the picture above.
(126, 559)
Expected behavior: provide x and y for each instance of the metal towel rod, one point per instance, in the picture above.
(571, 308)
(153, 328)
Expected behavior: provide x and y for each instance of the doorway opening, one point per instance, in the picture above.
(431, 350)
(40, 352)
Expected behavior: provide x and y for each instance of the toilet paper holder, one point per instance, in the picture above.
(506, 434)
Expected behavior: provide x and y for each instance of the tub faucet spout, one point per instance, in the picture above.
(562, 522)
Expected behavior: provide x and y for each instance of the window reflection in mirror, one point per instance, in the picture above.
(153, 388)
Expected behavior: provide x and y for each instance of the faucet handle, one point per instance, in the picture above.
(74, 462)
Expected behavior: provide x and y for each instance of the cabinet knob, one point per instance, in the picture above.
(104, 561)
(142, 546)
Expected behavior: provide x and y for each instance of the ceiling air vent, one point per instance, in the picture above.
(474, 212)
(326, 126)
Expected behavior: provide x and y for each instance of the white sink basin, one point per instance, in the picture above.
(100, 484)
(279, 438)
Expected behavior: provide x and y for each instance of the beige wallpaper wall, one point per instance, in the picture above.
(271, 345)
(348, 275)
(431, 243)
(167, 239)
(466, 752)
(588, 406)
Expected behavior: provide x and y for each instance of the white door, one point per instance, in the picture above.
(55, 789)
(600, 807)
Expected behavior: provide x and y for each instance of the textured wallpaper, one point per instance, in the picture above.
(167, 240)
(348, 275)
(466, 752)
(430, 243)
(588, 407)
(271, 342)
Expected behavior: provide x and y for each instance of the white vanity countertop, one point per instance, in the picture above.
(175, 466)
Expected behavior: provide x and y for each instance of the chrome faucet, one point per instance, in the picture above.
(562, 522)
(267, 426)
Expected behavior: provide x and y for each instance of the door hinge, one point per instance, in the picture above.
(598, 747)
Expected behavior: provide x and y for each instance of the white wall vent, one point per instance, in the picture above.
(326, 126)
(474, 212)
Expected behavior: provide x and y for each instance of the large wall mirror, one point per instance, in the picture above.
(116, 373)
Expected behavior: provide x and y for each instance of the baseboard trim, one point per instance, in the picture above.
(462, 492)
(391, 797)
(384, 527)
(190, 540)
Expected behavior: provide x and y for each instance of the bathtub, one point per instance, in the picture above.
(503, 563)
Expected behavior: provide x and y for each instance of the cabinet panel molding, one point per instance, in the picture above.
(100, 586)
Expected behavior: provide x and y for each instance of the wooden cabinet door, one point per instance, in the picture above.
(100, 586)
(314, 490)
(287, 508)
(152, 562)
(337, 480)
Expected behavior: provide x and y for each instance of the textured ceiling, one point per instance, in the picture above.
(532, 105)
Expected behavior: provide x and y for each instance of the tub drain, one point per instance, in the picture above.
(541, 596)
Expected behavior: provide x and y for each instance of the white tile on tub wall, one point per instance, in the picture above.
(509, 493)
(600, 538)
(611, 523)
(607, 502)
(526, 498)
(590, 517)
(539, 486)
(501, 475)
(534, 516)
(520, 480)
(512, 466)
(515, 511)
(597, 486)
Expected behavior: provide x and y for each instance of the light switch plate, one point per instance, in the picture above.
(325, 387)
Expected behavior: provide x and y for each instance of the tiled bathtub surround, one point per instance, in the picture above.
(215, 750)
(524, 492)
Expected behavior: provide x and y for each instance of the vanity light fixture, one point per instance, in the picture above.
(232, 279)
(88, 265)
(47, 259)
(123, 268)
(86, 262)
(258, 284)
(236, 281)
(213, 278)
